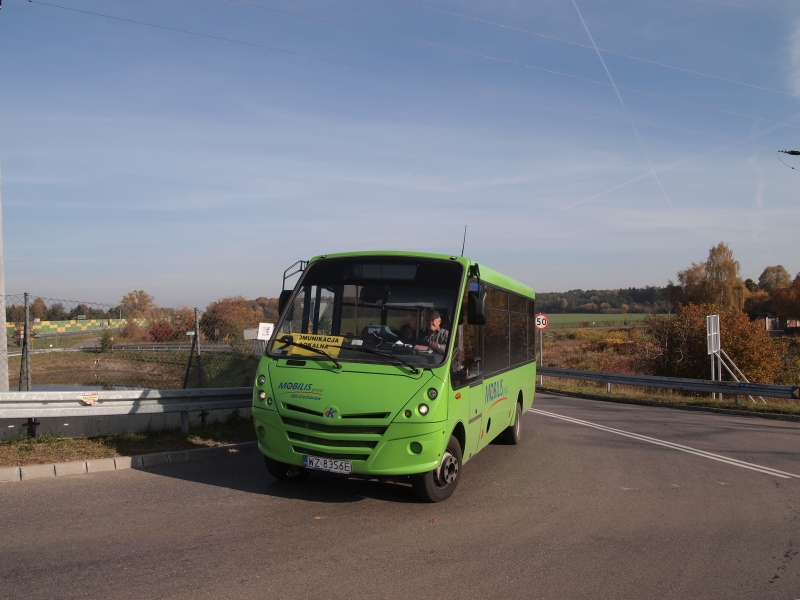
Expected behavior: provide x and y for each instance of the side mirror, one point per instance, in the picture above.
(283, 300)
(477, 307)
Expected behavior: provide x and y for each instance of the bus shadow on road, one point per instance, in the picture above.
(325, 488)
(247, 473)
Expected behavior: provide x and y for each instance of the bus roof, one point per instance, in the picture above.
(487, 275)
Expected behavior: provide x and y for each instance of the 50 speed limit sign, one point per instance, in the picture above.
(541, 321)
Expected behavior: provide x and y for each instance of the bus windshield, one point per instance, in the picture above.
(371, 309)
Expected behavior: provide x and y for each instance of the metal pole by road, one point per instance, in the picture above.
(197, 347)
(541, 360)
(25, 358)
(4, 342)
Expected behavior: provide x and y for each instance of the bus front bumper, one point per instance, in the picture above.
(404, 448)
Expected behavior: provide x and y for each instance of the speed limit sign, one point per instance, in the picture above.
(541, 321)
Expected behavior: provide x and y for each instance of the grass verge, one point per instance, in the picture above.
(25, 450)
(626, 392)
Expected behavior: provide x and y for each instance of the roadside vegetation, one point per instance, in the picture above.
(674, 344)
(25, 450)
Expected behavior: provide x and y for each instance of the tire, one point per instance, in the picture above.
(513, 432)
(283, 472)
(439, 484)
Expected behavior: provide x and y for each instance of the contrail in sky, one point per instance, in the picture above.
(625, 108)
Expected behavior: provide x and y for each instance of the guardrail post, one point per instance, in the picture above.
(184, 422)
(608, 388)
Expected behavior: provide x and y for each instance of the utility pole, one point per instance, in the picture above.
(4, 340)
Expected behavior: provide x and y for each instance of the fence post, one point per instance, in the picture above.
(25, 359)
(197, 348)
(608, 388)
(184, 422)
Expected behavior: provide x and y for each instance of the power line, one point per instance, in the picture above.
(514, 63)
(628, 56)
(401, 74)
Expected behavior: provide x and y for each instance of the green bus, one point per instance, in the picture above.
(394, 364)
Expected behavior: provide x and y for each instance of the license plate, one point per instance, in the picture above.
(328, 464)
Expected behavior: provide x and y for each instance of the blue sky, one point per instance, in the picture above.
(194, 168)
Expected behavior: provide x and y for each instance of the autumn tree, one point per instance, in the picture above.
(137, 303)
(57, 312)
(269, 309)
(715, 281)
(677, 344)
(38, 309)
(160, 331)
(773, 278)
(785, 301)
(227, 318)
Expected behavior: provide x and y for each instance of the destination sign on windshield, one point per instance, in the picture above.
(327, 343)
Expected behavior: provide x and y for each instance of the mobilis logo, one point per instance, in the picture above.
(301, 387)
(331, 412)
(495, 391)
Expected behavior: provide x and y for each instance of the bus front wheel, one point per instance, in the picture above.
(439, 484)
(283, 471)
(513, 432)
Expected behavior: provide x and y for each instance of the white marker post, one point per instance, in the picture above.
(713, 345)
(541, 322)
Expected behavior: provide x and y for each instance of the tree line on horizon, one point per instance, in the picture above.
(714, 281)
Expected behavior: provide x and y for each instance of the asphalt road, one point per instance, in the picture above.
(575, 511)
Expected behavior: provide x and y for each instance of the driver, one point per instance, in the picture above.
(435, 338)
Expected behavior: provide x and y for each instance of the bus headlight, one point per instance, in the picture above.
(432, 393)
(262, 394)
(261, 380)
(423, 409)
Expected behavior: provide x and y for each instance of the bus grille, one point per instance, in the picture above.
(354, 429)
(332, 443)
(357, 437)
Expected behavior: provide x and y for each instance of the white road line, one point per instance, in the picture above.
(688, 449)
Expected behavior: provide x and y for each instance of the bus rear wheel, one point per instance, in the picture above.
(283, 471)
(439, 484)
(513, 432)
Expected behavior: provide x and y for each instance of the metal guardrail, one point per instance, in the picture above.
(29, 405)
(676, 383)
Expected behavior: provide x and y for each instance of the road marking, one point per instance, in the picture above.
(657, 442)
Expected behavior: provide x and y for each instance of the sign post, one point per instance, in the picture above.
(713, 345)
(541, 322)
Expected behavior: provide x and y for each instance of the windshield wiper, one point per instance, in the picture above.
(414, 369)
(290, 342)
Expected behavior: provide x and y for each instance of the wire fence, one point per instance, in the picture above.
(56, 344)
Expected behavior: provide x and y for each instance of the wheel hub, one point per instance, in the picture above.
(448, 471)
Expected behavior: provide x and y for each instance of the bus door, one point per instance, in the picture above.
(467, 381)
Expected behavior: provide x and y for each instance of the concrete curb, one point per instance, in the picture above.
(721, 411)
(144, 461)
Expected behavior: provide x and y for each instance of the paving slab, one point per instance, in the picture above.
(128, 462)
(154, 460)
(37, 471)
(76, 467)
(100, 464)
(9, 474)
(178, 456)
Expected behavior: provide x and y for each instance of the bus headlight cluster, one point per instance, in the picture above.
(423, 409)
